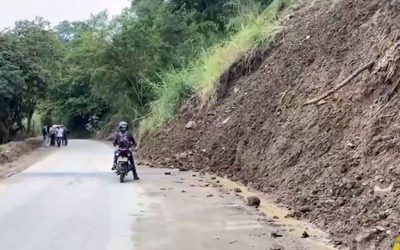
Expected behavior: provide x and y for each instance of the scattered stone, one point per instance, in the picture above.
(364, 236)
(276, 235)
(183, 155)
(275, 217)
(381, 191)
(183, 169)
(183, 191)
(291, 215)
(383, 215)
(337, 242)
(277, 247)
(193, 175)
(253, 201)
(226, 120)
(216, 237)
(305, 235)
(191, 125)
(217, 181)
(233, 242)
(167, 173)
(213, 178)
(380, 229)
(351, 145)
(237, 190)
(305, 209)
(209, 195)
(341, 201)
(163, 189)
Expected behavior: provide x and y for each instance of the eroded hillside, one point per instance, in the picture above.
(335, 163)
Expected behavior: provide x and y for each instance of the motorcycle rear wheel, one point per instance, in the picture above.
(121, 177)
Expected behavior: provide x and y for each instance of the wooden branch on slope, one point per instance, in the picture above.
(341, 85)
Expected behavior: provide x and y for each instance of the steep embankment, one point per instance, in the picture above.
(328, 159)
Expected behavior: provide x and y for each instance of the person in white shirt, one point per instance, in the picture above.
(59, 135)
(52, 133)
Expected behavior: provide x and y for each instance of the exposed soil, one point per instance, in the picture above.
(11, 153)
(340, 158)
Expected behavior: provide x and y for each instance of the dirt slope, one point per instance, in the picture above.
(328, 158)
(12, 151)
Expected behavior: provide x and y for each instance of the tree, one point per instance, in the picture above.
(20, 78)
(42, 47)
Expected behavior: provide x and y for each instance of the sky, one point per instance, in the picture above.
(55, 11)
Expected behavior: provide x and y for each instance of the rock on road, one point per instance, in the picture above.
(71, 201)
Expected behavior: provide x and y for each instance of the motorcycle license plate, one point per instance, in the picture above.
(124, 159)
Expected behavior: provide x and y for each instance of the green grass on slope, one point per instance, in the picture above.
(201, 78)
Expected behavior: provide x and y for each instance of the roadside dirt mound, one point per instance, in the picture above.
(340, 158)
(12, 151)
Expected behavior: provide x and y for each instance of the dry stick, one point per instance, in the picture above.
(341, 85)
(283, 96)
(393, 91)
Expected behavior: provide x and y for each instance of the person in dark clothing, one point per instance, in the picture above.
(125, 139)
(52, 132)
(65, 135)
(45, 133)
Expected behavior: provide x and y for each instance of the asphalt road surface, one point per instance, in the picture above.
(70, 200)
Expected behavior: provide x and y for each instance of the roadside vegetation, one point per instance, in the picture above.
(253, 26)
(138, 66)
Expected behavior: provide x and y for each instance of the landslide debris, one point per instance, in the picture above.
(339, 157)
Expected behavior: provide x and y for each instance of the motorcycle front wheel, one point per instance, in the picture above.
(123, 169)
(122, 177)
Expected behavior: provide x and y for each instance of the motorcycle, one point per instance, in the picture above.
(123, 165)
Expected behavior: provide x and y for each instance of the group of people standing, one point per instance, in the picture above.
(56, 134)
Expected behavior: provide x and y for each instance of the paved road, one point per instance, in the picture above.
(71, 201)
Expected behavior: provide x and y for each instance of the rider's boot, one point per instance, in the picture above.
(135, 175)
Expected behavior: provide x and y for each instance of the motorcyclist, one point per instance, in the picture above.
(125, 139)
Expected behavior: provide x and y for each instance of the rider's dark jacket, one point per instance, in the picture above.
(124, 140)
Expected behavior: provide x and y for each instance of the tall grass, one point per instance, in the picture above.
(201, 78)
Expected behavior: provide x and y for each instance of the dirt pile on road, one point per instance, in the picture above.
(336, 163)
(12, 151)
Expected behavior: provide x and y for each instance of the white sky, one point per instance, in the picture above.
(55, 10)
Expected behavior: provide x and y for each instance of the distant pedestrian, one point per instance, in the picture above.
(59, 134)
(52, 133)
(45, 133)
(65, 135)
